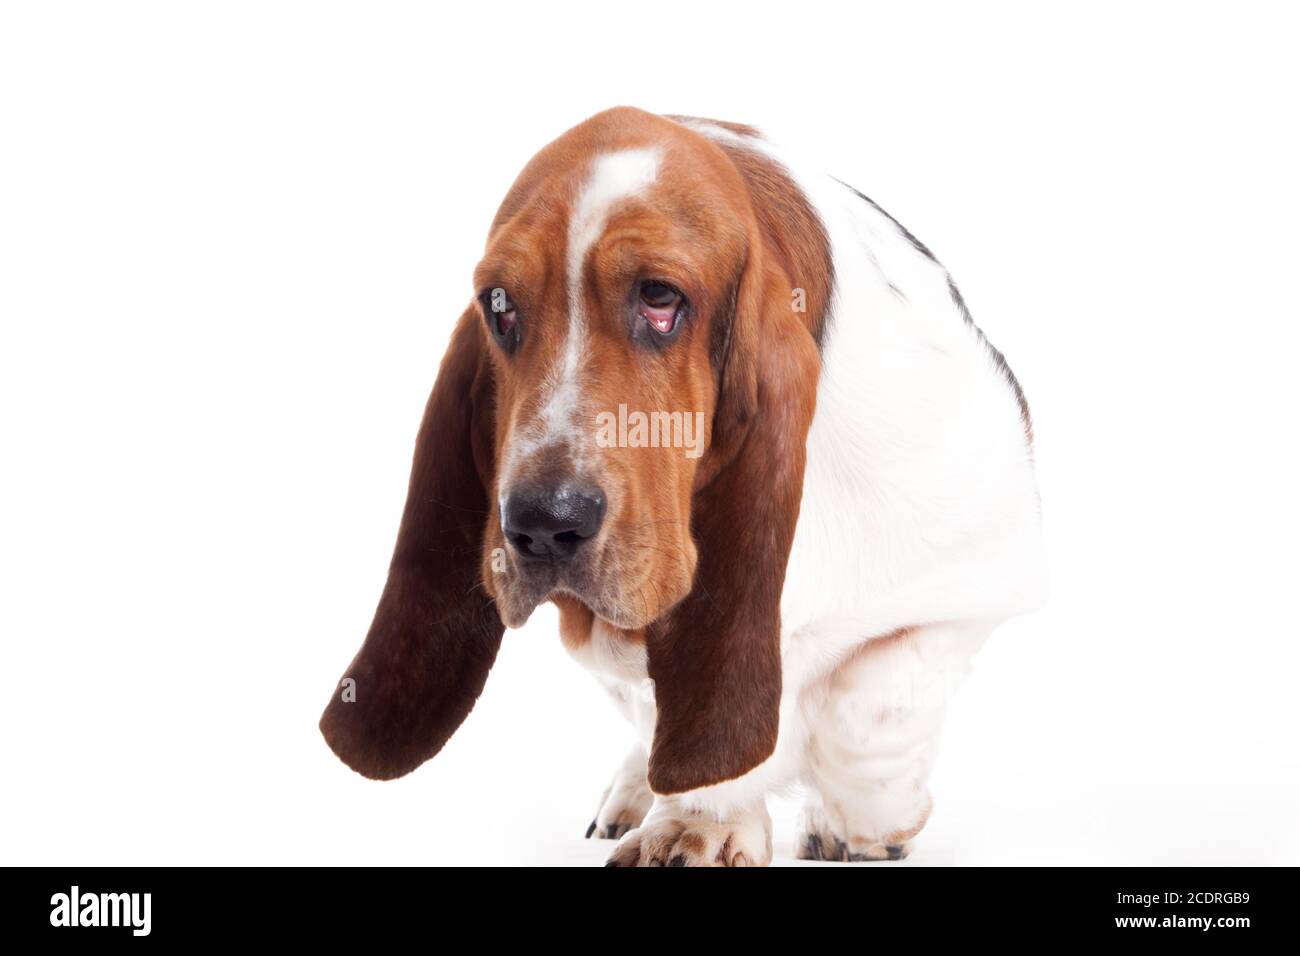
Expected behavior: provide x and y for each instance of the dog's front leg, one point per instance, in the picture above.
(625, 801)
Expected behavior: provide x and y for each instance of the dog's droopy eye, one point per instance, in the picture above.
(660, 305)
(502, 317)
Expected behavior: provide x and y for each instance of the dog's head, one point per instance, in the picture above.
(607, 294)
(620, 419)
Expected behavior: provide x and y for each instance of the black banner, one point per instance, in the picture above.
(1221, 907)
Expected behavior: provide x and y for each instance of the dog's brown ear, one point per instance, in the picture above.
(436, 631)
(716, 658)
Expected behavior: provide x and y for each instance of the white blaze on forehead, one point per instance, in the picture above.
(614, 177)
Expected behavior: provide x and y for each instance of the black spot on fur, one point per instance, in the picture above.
(999, 359)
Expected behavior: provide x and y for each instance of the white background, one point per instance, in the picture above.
(233, 238)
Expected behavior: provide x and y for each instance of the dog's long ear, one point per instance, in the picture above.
(716, 658)
(436, 631)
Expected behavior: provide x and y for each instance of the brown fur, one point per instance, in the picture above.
(435, 633)
(575, 622)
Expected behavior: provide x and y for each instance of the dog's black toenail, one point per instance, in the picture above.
(611, 832)
(895, 852)
(812, 847)
(590, 830)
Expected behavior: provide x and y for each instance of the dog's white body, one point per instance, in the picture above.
(918, 532)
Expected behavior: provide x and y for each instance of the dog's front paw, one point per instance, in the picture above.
(625, 801)
(676, 838)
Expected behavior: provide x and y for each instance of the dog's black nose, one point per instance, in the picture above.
(552, 522)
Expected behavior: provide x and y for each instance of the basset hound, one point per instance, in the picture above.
(736, 422)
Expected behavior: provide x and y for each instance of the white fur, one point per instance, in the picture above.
(919, 512)
(626, 800)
